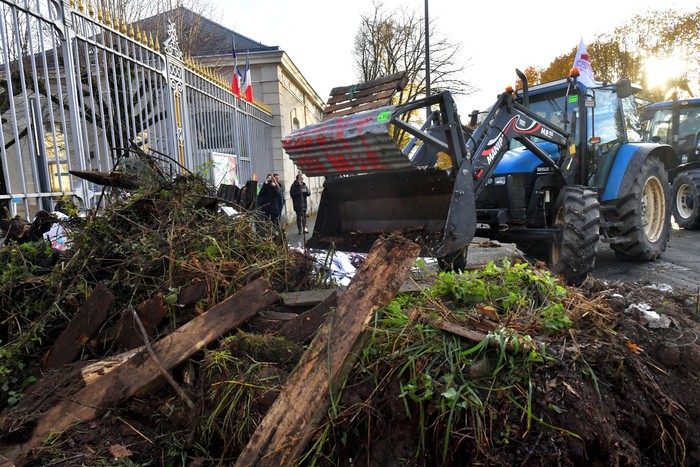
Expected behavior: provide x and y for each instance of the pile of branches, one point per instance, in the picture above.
(500, 365)
(168, 239)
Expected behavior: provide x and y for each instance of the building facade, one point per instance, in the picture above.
(277, 84)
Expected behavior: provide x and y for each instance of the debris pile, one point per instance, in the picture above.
(170, 333)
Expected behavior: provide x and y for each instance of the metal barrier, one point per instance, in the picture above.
(78, 89)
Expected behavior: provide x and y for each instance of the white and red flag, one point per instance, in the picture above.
(584, 66)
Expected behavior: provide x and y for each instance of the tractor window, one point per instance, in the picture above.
(688, 128)
(551, 109)
(632, 121)
(606, 121)
(660, 126)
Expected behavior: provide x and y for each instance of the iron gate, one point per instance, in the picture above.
(78, 88)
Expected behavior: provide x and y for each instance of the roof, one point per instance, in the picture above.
(206, 37)
(693, 102)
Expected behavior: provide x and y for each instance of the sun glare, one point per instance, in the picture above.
(660, 71)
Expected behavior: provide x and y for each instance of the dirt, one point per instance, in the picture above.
(625, 397)
(630, 399)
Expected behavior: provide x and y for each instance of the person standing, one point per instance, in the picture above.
(269, 200)
(299, 192)
(280, 187)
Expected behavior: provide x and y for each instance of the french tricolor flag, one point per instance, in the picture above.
(247, 83)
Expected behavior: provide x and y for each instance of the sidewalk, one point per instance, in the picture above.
(481, 250)
(295, 240)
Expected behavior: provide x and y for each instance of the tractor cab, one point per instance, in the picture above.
(611, 120)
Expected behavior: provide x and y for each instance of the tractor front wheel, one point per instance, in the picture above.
(685, 193)
(574, 251)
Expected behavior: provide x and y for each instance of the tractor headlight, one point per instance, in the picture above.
(499, 180)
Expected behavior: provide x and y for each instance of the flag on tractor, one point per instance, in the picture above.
(584, 66)
(247, 83)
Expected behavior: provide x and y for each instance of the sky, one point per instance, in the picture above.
(495, 36)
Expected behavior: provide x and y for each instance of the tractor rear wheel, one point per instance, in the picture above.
(685, 194)
(645, 214)
(574, 251)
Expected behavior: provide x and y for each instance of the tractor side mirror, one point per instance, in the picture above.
(473, 118)
(624, 88)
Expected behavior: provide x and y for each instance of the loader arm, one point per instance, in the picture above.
(425, 189)
(510, 120)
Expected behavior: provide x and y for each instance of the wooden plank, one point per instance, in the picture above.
(303, 327)
(385, 92)
(354, 110)
(84, 325)
(382, 98)
(151, 313)
(347, 100)
(140, 373)
(292, 420)
(400, 76)
(307, 298)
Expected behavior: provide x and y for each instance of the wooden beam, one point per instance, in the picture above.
(292, 420)
(84, 325)
(140, 373)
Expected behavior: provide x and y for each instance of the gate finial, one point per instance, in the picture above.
(172, 43)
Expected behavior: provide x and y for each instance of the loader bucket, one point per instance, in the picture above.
(354, 211)
(373, 188)
(343, 145)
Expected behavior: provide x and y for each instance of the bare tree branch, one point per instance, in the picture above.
(388, 42)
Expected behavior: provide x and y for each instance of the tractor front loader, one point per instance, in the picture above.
(556, 169)
(385, 174)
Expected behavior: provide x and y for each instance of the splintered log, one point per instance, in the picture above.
(292, 420)
(90, 373)
(141, 373)
(82, 328)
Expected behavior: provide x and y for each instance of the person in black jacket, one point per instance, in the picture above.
(269, 200)
(299, 192)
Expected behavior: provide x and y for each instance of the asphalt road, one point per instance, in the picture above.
(678, 266)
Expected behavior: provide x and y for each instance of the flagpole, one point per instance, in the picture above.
(427, 58)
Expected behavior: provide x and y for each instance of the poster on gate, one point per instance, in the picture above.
(225, 169)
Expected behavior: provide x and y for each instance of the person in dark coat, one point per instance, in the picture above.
(269, 200)
(299, 192)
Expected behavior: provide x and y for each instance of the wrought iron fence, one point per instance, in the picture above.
(78, 88)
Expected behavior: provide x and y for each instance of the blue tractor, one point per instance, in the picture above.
(555, 169)
(677, 123)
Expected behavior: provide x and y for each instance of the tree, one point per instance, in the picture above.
(388, 42)
(533, 77)
(624, 51)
